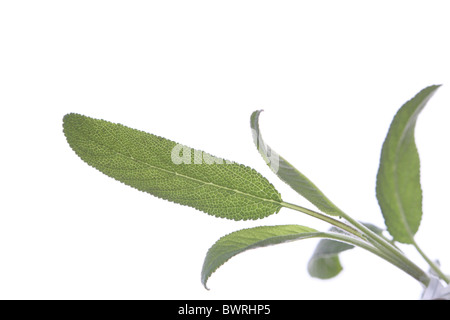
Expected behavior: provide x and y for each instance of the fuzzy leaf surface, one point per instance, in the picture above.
(239, 241)
(146, 162)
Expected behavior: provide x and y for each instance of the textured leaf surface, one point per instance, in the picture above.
(246, 239)
(196, 179)
(398, 187)
(239, 241)
(289, 174)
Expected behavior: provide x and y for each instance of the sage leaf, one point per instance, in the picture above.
(325, 262)
(246, 239)
(171, 171)
(398, 188)
(242, 240)
(289, 174)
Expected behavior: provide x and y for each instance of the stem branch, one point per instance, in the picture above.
(370, 241)
(325, 218)
(432, 264)
(391, 250)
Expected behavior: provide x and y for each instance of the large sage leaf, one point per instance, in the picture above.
(289, 174)
(171, 171)
(398, 187)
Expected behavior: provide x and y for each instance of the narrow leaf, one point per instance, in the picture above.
(171, 171)
(246, 239)
(398, 187)
(252, 238)
(289, 174)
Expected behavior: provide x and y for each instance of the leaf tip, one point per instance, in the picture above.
(254, 117)
(205, 278)
(69, 120)
(67, 117)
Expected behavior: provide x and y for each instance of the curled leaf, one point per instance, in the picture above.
(289, 174)
(325, 262)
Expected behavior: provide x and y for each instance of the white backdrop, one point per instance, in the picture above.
(330, 75)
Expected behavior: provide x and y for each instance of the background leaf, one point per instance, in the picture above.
(398, 187)
(325, 262)
(146, 162)
(289, 174)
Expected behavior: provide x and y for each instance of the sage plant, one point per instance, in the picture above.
(223, 188)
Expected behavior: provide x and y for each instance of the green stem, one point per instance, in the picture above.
(370, 248)
(390, 250)
(325, 218)
(381, 247)
(432, 264)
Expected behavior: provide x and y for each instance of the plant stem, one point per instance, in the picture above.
(390, 250)
(325, 218)
(432, 264)
(376, 251)
(379, 246)
(362, 244)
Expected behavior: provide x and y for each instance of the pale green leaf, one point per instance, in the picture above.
(398, 186)
(325, 262)
(171, 171)
(246, 239)
(289, 174)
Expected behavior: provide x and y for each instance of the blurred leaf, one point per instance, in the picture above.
(325, 262)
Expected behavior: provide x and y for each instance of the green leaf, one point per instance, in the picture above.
(398, 187)
(289, 174)
(246, 239)
(325, 262)
(252, 238)
(171, 171)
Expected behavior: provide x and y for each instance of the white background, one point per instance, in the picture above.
(330, 75)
